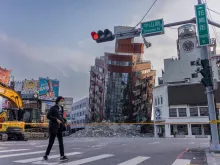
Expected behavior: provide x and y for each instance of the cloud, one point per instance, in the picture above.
(70, 65)
(164, 46)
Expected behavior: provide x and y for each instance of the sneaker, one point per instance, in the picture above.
(45, 157)
(63, 158)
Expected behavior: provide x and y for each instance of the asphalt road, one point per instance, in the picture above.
(106, 151)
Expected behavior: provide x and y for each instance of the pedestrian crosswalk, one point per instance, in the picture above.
(27, 156)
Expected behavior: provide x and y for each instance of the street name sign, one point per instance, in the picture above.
(151, 28)
(202, 25)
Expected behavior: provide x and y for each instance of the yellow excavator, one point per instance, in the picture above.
(20, 123)
(10, 126)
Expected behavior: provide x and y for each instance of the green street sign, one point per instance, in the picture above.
(152, 28)
(202, 25)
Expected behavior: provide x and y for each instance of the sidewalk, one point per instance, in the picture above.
(213, 158)
(196, 155)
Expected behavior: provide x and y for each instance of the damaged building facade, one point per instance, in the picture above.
(121, 84)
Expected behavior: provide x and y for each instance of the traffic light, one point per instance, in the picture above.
(206, 73)
(103, 36)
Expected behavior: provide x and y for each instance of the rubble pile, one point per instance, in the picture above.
(110, 131)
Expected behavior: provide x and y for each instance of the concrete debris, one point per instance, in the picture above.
(111, 131)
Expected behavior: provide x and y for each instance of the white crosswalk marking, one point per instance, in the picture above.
(13, 150)
(21, 154)
(45, 163)
(135, 161)
(46, 145)
(181, 162)
(87, 160)
(40, 158)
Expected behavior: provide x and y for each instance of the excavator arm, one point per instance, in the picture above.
(11, 95)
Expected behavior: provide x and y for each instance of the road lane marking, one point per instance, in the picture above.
(135, 161)
(12, 144)
(88, 160)
(46, 145)
(1, 148)
(44, 162)
(40, 158)
(154, 143)
(21, 154)
(13, 150)
(42, 146)
(181, 162)
(100, 145)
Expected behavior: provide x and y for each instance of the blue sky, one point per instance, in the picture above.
(61, 22)
(40, 38)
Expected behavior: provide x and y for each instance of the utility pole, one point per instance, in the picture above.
(211, 103)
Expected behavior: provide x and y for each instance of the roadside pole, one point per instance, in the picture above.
(209, 88)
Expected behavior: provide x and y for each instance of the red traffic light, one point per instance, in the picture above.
(94, 35)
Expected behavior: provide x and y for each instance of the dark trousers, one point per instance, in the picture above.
(51, 141)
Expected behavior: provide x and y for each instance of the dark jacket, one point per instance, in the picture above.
(54, 114)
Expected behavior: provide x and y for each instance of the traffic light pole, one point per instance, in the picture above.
(212, 111)
(211, 106)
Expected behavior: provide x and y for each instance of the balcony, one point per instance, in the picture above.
(138, 83)
(143, 61)
(135, 102)
(144, 97)
(137, 92)
(94, 70)
(101, 84)
(99, 94)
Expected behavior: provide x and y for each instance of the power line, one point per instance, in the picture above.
(213, 11)
(146, 14)
(213, 28)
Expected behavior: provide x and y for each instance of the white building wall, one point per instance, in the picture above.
(180, 69)
(215, 69)
(177, 70)
(79, 111)
(162, 91)
(158, 93)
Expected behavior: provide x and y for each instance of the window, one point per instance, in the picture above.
(155, 101)
(193, 111)
(182, 112)
(204, 111)
(172, 112)
(158, 100)
(101, 70)
(194, 75)
(180, 129)
(196, 129)
(219, 74)
(161, 100)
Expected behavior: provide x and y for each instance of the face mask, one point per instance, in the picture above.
(61, 103)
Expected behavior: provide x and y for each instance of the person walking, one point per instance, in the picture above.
(56, 127)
